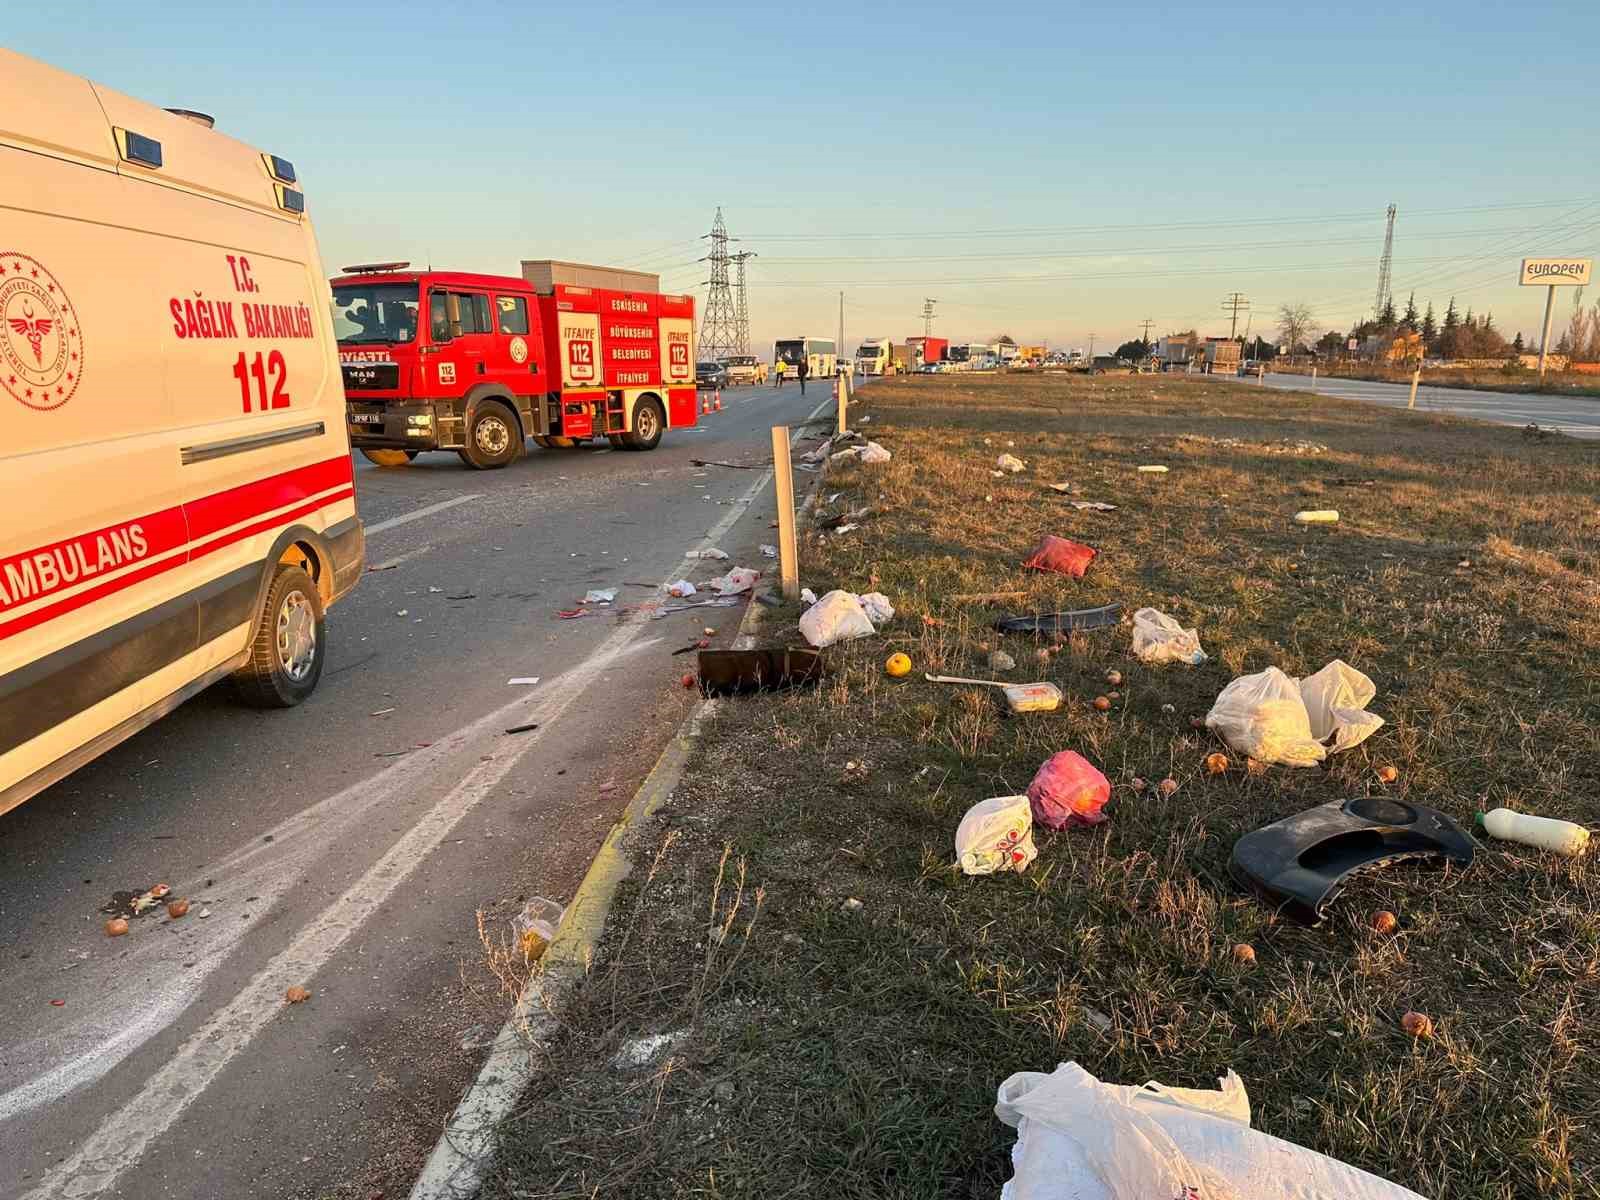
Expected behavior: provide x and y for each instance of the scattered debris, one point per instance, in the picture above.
(996, 835)
(1114, 678)
(404, 612)
(116, 927)
(177, 909)
(1418, 1025)
(382, 712)
(852, 905)
(1216, 763)
(1342, 481)
(1077, 621)
(1061, 556)
(874, 453)
(1317, 516)
(1169, 709)
(769, 551)
(1092, 506)
(1157, 638)
(1020, 697)
(688, 680)
(1010, 464)
(1068, 790)
(898, 665)
(535, 926)
(296, 995)
(1167, 786)
(600, 595)
(203, 914)
(1295, 722)
(1387, 774)
(712, 462)
(1063, 488)
(528, 728)
(134, 904)
(1244, 954)
(1102, 703)
(641, 1052)
(719, 555)
(1153, 469)
(682, 588)
(1299, 864)
(735, 582)
(522, 681)
(738, 672)
(999, 660)
(838, 616)
(1544, 833)
(571, 614)
(1384, 922)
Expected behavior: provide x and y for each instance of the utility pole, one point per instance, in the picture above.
(719, 330)
(1147, 322)
(927, 317)
(741, 316)
(1091, 350)
(1233, 304)
(840, 345)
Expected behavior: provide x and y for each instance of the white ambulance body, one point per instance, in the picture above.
(176, 496)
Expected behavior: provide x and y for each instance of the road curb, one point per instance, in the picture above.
(455, 1168)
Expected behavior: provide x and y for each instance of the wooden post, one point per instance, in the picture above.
(841, 394)
(1415, 377)
(1313, 377)
(783, 478)
(1261, 374)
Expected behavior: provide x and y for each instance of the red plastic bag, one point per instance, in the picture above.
(1068, 791)
(1060, 555)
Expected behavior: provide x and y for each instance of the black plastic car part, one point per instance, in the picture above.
(1299, 864)
(1079, 620)
(735, 672)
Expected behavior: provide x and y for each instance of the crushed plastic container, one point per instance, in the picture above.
(536, 925)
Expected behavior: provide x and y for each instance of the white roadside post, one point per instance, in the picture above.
(1313, 377)
(841, 392)
(1551, 273)
(783, 479)
(1416, 377)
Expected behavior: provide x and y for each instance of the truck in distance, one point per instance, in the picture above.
(450, 360)
(818, 353)
(872, 357)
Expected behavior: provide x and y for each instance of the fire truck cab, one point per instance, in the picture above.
(449, 360)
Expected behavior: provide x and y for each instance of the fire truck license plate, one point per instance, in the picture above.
(371, 375)
(367, 418)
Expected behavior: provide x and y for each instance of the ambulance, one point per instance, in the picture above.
(176, 495)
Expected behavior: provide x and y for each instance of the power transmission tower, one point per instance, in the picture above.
(1383, 266)
(741, 316)
(1233, 304)
(927, 317)
(719, 331)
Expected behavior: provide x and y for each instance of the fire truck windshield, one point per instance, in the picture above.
(365, 313)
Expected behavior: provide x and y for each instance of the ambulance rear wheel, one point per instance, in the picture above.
(289, 647)
(493, 437)
(388, 458)
(648, 423)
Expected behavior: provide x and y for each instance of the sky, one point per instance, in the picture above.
(1051, 171)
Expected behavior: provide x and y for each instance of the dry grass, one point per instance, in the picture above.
(827, 1051)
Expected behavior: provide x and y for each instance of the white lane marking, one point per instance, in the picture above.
(455, 1168)
(121, 1139)
(418, 514)
(398, 559)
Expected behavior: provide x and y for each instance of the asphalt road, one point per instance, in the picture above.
(1574, 415)
(347, 846)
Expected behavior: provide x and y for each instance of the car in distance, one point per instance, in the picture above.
(709, 375)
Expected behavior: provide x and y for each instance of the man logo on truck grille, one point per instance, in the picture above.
(41, 349)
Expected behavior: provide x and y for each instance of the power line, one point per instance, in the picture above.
(1233, 304)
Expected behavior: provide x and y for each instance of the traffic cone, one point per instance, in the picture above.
(717, 407)
(705, 404)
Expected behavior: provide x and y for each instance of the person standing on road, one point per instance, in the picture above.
(777, 373)
(805, 369)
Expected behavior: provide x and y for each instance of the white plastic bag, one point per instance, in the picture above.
(874, 453)
(877, 607)
(1157, 638)
(1336, 699)
(996, 835)
(1298, 722)
(1081, 1139)
(740, 579)
(1263, 717)
(837, 617)
(1010, 463)
(680, 589)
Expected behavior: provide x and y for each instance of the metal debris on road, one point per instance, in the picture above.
(522, 681)
(523, 728)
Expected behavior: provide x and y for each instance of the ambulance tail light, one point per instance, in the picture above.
(137, 148)
(290, 200)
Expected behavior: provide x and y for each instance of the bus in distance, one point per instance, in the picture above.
(819, 355)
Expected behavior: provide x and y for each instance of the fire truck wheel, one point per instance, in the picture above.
(618, 442)
(493, 437)
(648, 422)
(287, 652)
(388, 458)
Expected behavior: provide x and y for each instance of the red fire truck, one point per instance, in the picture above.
(447, 360)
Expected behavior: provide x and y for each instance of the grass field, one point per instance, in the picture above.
(821, 1049)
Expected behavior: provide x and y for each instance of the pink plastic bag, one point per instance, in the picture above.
(1060, 555)
(1068, 791)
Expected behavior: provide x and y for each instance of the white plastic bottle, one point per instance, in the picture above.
(1546, 833)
